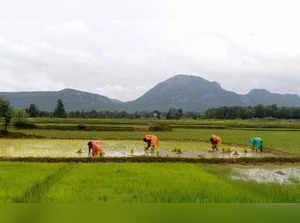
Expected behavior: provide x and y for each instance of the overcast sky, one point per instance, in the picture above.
(121, 48)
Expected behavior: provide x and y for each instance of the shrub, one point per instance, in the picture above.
(22, 124)
(160, 127)
(81, 127)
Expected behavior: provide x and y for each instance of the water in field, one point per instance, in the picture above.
(264, 175)
(118, 148)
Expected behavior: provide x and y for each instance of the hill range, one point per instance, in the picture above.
(191, 93)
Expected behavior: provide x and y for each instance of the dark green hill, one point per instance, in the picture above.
(191, 93)
(73, 100)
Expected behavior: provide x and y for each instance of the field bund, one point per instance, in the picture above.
(143, 159)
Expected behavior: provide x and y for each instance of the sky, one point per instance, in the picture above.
(122, 48)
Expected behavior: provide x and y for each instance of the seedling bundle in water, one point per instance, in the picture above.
(177, 151)
(80, 151)
(235, 153)
(102, 153)
(132, 151)
(157, 153)
(227, 150)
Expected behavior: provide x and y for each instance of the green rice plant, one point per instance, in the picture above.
(17, 178)
(80, 151)
(177, 151)
(164, 183)
(102, 153)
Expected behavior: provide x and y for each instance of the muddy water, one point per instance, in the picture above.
(115, 148)
(191, 154)
(238, 154)
(259, 175)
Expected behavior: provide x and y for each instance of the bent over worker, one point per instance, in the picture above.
(152, 141)
(94, 148)
(216, 141)
(257, 144)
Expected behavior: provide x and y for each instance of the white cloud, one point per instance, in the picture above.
(121, 48)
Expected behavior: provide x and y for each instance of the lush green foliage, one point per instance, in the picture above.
(135, 183)
(6, 112)
(259, 111)
(60, 111)
(17, 178)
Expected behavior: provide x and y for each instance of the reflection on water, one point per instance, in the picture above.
(260, 175)
(78, 148)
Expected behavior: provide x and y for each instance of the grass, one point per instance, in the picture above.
(16, 178)
(184, 123)
(141, 182)
(135, 183)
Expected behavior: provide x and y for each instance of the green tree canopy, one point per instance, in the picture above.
(33, 111)
(6, 112)
(60, 111)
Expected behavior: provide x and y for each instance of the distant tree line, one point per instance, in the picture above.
(233, 112)
(259, 111)
(33, 111)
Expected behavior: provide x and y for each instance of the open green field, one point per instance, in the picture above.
(253, 123)
(139, 183)
(120, 183)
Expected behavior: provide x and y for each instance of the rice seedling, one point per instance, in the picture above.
(177, 151)
(132, 151)
(235, 153)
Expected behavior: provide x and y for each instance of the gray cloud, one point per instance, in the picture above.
(121, 48)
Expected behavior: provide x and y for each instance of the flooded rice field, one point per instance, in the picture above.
(263, 175)
(120, 148)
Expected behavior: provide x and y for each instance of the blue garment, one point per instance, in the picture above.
(257, 142)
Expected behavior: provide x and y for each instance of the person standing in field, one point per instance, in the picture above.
(152, 142)
(94, 148)
(216, 141)
(257, 144)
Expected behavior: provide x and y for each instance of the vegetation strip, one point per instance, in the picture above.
(142, 159)
(35, 193)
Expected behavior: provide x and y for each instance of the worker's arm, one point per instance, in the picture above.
(90, 149)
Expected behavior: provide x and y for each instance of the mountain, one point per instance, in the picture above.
(73, 100)
(191, 93)
(264, 97)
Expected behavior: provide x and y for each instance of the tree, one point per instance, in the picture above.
(33, 111)
(5, 112)
(60, 111)
(259, 111)
(174, 113)
(20, 115)
(156, 114)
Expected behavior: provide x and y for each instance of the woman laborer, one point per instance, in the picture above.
(216, 141)
(94, 148)
(257, 144)
(152, 142)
